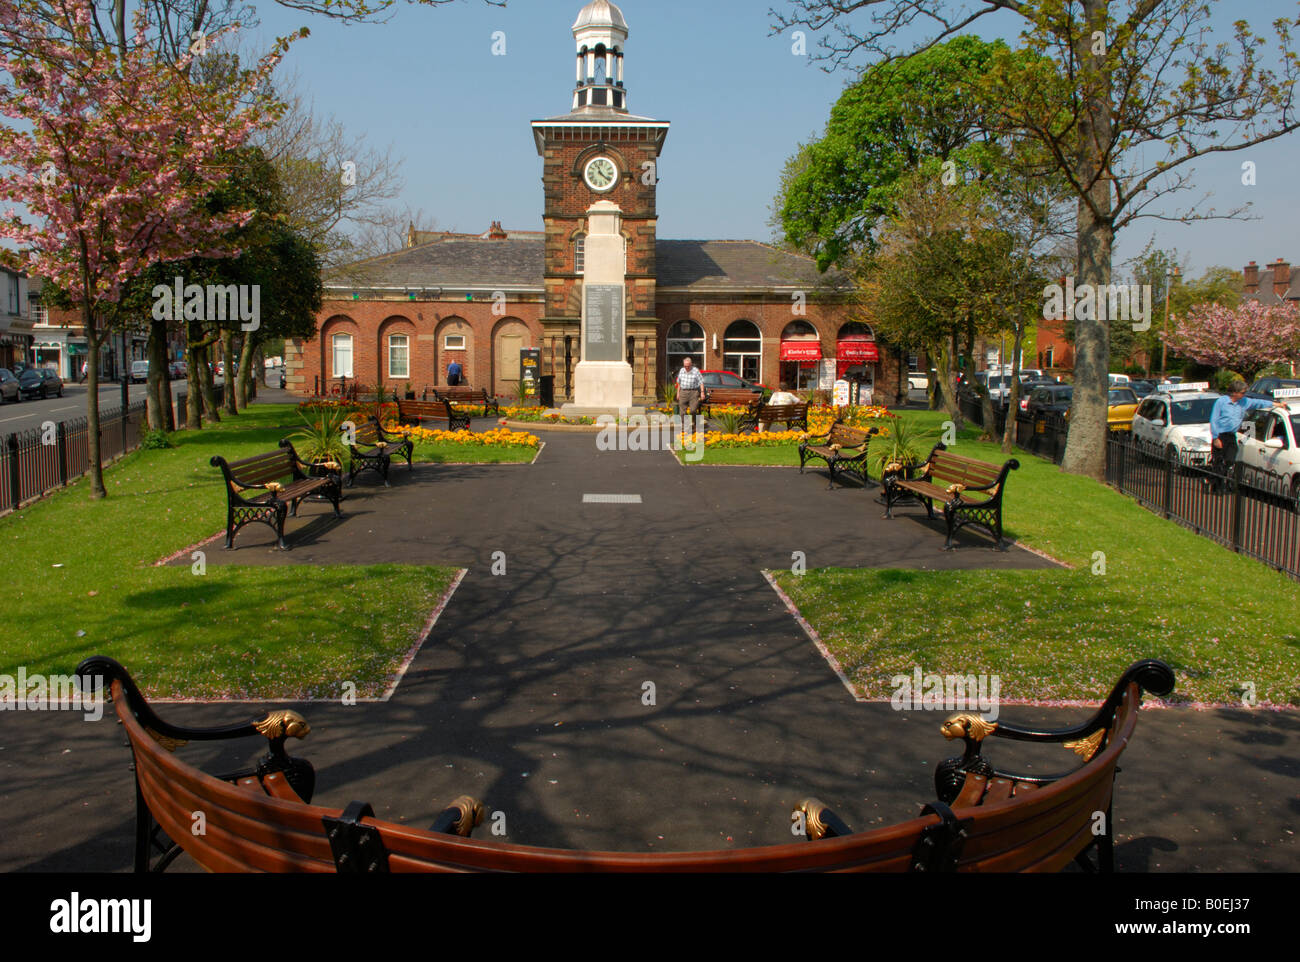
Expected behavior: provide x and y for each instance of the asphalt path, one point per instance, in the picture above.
(531, 691)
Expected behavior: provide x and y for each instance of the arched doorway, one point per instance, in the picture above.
(742, 350)
(801, 356)
(685, 339)
(510, 337)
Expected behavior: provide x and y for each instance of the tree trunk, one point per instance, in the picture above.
(228, 356)
(1085, 449)
(194, 410)
(1013, 390)
(211, 409)
(947, 379)
(246, 361)
(92, 404)
(158, 390)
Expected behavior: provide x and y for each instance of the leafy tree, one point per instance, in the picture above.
(112, 155)
(836, 190)
(1120, 94)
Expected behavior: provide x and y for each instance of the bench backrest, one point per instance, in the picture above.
(732, 395)
(782, 412)
(262, 468)
(426, 409)
(366, 435)
(948, 468)
(846, 436)
(462, 393)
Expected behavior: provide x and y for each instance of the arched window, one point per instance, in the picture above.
(801, 356)
(399, 355)
(742, 350)
(685, 339)
(341, 355)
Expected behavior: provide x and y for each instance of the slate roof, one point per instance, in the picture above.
(1267, 296)
(458, 263)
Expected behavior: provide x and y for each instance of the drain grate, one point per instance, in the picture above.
(611, 499)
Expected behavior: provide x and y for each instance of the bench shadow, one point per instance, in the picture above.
(1136, 855)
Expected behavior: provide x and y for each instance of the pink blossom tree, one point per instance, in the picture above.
(1245, 339)
(111, 161)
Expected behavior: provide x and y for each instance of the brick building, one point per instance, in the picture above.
(738, 305)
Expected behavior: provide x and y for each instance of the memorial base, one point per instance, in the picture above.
(602, 384)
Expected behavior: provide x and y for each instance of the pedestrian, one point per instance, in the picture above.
(453, 373)
(780, 397)
(690, 383)
(1225, 418)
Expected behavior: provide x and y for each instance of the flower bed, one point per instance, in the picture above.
(502, 437)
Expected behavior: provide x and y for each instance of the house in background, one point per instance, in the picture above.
(15, 320)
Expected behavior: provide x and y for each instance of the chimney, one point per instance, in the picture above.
(1250, 275)
(1281, 278)
(496, 231)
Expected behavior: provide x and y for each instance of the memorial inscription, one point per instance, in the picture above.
(604, 322)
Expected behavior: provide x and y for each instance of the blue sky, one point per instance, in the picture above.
(740, 102)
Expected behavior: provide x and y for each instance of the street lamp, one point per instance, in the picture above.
(1171, 273)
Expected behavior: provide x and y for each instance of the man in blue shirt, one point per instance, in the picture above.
(1225, 418)
(453, 373)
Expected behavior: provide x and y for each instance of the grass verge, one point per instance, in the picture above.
(80, 579)
(1223, 622)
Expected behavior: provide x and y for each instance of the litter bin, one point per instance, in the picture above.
(546, 391)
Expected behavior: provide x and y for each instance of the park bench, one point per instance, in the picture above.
(791, 415)
(414, 412)
(469, 395)
(739, 397)
(269, 487)
(970, 490)
(262, 818)
(372, 449)
(842, 448)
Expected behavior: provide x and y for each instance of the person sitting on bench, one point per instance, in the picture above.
(783, 396)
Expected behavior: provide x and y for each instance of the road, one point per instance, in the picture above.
(31, 414)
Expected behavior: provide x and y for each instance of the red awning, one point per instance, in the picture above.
(857, 351)
(801, 350)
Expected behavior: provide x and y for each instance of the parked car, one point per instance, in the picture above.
(1050, 399)
(1269, 440)
(139, 371)
(9, 390)
(1121, 405)
(725, 379)
(1141, 388)
(1178, 421)
(40, 382)
(1265, 386)
(176, 371)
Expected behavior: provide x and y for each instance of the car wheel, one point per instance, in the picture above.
(1171, 454)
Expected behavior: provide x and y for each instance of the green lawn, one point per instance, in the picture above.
(80, 581)
(442, 452)
(1220, 620)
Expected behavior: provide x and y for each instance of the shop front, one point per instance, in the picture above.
(801, 356)
(857, 355)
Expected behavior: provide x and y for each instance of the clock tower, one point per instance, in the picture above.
(599, 153)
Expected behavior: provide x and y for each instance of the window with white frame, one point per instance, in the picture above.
(399, 356)
(341, 363)
(453, 342)
(579, 257)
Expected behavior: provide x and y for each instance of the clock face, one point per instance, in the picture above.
(600, 174)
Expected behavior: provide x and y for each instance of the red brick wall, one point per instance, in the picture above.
(425, 322)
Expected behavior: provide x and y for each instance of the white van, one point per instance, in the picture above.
(139, 371)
